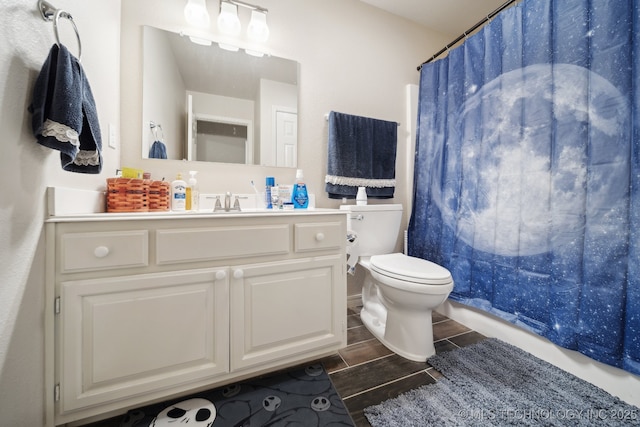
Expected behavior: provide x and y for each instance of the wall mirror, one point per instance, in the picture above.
(206, 103)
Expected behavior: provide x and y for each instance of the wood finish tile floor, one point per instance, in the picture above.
(366, 373)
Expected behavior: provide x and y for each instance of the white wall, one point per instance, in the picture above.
(210, 105)
(164, 92)
(354, 59)
(27, 168)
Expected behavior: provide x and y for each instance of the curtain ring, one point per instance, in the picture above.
(61, 13)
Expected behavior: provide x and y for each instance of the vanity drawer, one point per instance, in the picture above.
(316, 236)
(103, 250)
(207, 244)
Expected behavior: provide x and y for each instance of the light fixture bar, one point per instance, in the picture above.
(247, 5)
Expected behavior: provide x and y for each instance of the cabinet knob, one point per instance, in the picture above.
(101, 251)
(320, 237)
(238, 274)
(220, 275)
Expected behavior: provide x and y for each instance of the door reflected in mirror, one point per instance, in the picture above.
(215, 105)
(222, 142)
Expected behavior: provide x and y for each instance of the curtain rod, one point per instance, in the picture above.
(469, 31)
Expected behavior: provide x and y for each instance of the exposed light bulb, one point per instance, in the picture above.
(196, 14)
(258, 29)
(228, 21)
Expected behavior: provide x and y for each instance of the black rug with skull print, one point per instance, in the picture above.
(303, 396)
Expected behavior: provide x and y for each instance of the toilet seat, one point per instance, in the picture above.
(411, 269)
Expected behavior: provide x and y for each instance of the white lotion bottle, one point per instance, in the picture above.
(361, 196)
(178, 194)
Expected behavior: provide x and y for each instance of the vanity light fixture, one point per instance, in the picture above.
(255, 53)
(258, 29)
(196, 14)
(200, 40)
(229, 23)
(229, 47)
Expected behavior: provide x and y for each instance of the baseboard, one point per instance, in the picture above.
(354, 300)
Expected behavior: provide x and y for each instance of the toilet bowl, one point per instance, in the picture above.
(409, 289)
(399, 292)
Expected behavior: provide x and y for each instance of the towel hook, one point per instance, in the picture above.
(50, 13)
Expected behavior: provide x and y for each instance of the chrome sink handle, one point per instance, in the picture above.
(218, 205)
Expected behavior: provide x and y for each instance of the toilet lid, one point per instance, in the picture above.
(404, 267)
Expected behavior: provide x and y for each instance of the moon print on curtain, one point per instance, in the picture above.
(527, 173)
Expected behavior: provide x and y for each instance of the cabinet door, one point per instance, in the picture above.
(283, 309)
(122, 337)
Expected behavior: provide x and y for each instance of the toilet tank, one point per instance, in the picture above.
(377, 227)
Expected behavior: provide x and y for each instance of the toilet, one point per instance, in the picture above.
(399, 291)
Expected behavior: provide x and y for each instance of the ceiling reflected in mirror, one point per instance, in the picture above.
(187, 83)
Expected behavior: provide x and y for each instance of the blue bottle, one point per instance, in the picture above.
(300, 195)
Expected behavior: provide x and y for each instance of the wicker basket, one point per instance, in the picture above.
(159, 196)
(127, 195)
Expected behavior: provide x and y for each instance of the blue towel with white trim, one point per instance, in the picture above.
(362, 153)
(64, 114)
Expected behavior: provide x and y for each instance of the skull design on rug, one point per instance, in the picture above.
(196, 412)
(320, 404)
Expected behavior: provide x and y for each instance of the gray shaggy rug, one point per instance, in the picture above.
(492, 383)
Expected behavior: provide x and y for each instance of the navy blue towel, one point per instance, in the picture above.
(64, 113)
(362, 153)
(158, 150)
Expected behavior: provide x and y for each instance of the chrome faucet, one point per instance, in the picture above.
(227, 203)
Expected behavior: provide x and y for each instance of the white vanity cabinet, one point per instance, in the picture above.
(145, 307)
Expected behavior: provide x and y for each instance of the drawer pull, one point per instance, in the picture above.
(101, 251)
(238, 274)
(220, 275)
(320, 237)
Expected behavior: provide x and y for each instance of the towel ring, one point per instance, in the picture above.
(153, 127)
(50, 13)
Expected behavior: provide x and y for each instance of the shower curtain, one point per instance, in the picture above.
(527, 173)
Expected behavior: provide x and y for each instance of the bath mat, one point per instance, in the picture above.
(492, 383)
(303, 396)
